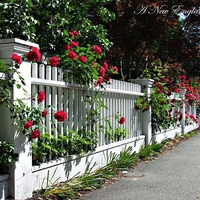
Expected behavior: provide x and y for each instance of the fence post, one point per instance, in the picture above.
(146, 116)
(21, 171)
(182, 96)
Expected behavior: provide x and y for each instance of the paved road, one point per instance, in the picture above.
(173, 176)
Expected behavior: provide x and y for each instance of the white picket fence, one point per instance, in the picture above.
(118, 96)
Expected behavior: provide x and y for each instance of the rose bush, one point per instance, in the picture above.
(164, 105)
(83, 65)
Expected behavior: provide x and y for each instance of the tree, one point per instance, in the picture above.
(48, 22)
(145, 31)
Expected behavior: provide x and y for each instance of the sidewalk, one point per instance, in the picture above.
(173, 176)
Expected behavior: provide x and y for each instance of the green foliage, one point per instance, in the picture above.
(7, 155)
(190, 134)
(49, 147)
(150, 150)
(80, 72)
(45, 22)
(7, 81)
(93, 179)
(158, 99)
(160, 107)
(81, 142)
(116, 134)
(142, 103)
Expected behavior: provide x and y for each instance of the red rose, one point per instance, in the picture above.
(100, 80)
(44, 113)
(74, 44)
(102, 71)
(192, 116)
(95, 84)
(71, 34)
(66, 47)
(54, 61)
(75, 32)
(147, 107)
(34, 54)
(41, 96)
(96, 49)
(162, 102)
(35, 134)
(83, 59)
(28, 124)
(72, 55)
(176, 90)
(115, 68)
(105, 65)
(137, 108)
(106, 78)
(122, 120)
(16, 58)
(61, 116)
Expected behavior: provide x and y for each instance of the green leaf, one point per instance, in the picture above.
(18, 86)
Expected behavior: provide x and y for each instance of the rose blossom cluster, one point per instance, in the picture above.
(103, 70)
(60, 116)
(191, 93)
(35, 56)
(178, 116)
(104, 73)
(142, 104)
(73, 53)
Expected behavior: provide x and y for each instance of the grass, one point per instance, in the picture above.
(90, 180)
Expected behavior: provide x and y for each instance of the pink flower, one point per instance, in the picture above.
(61, 116)
(16, 58)
(28, 124)
(97, 49)
(34, 54)
(122, 120)
(74, 44)
(35, 134)
(83, 59)
(72, 55)
(54, 61)
(44, 113)
(41, 96)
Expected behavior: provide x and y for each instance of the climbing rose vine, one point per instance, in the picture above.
(79, 64)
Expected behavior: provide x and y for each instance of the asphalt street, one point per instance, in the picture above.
(175, 175)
